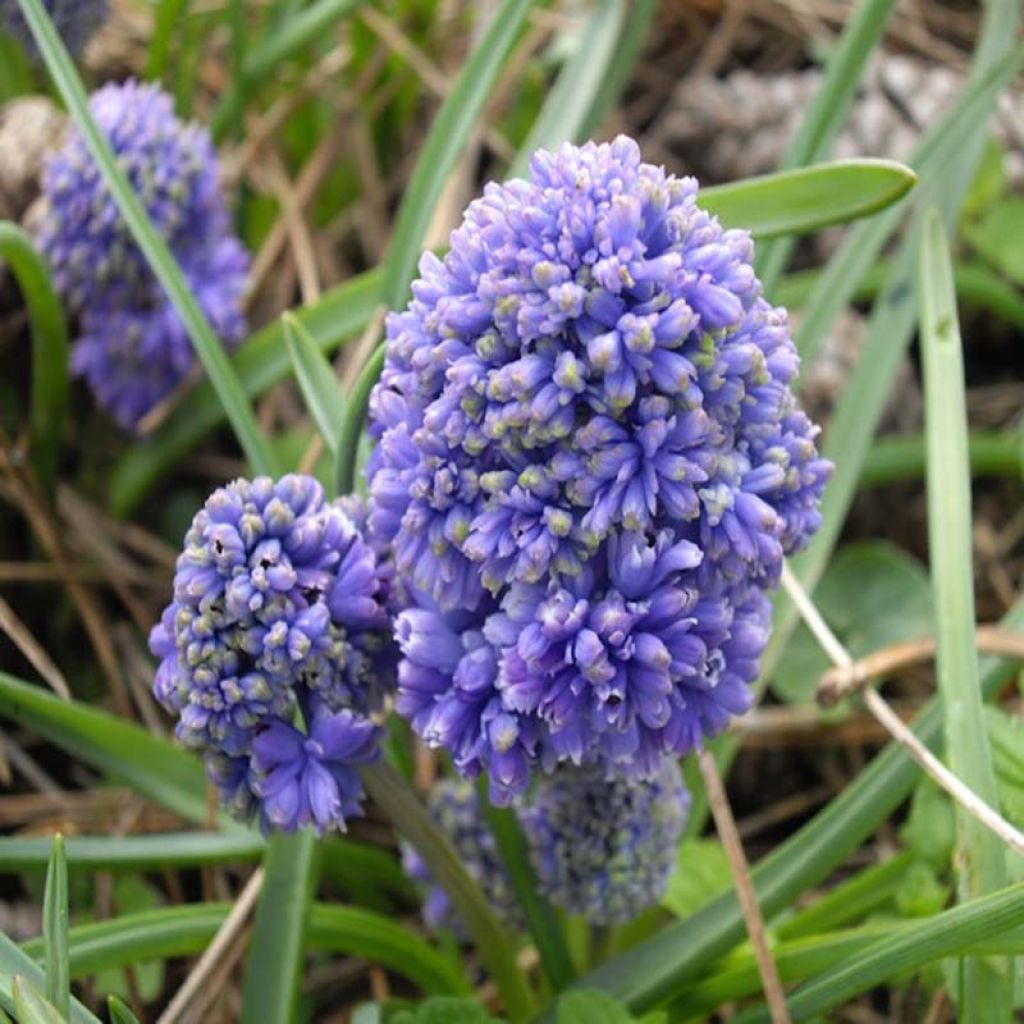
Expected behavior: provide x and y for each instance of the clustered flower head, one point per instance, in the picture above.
(589, 466)
(604, 848)
(455, 807)
(133, 348)
(274, 652)
(75, 21)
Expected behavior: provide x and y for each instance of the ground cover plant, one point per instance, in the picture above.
(432, 596)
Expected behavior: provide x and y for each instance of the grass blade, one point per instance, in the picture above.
(309, 25)
(49, 346)
(826, 115)
(320, 387)
(262, 362)
(166, 774)
(544, 926)
(805, 200)
(207, 346)
(119, 1012)
(55, 930)
(570, 101)
(274, 966)
(352, 422)
(186, 930)
(914, 947)
(31, 1006)
(15, 963)
(448, 136)
(169, 13)
(985, 990)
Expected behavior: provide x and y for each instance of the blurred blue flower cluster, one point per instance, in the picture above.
(75, 21)
(274, 652)
(589, 466)
(132, 346)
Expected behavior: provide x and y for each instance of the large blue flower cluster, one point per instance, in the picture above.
(276, 623)
(604, 848)
(454, 804)
(133, 348)
(590, 464)
(75, 21)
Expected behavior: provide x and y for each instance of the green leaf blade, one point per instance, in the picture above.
(448, 136)
(317, 381)
(985, 990)
(805, 200)
(55, 930)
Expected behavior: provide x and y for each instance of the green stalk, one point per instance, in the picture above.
(209, 349)
(168, 14)
(49, 346)
(352, 422)
(827, 114)
(985, 994)
(540, 918)
(276, 959)
(407, 813)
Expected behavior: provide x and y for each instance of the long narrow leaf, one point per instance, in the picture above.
(985, 989)
(49, 346)
(208, 347)
(119, 1012)
(449, 134)
(31, 1005)
(262, 362)
(55, 929)
(805, 200)
(274, 966)
(157, 769)
(15, 962)
(179, 931)
(352, 422)
(320, 387)
(569, 103)
(297, 32)
(924, 943)
(826, 114)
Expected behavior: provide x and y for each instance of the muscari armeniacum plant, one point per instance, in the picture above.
(132, 347)
(588, 466)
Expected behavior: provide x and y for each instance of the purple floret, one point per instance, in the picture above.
(590, 465)
(276, 619)
(132, 347)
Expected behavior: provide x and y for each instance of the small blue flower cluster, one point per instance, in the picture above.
(590, 464)
(602, 849)
(455, 807)
(132, 347)
(276, 623)
(75, 21)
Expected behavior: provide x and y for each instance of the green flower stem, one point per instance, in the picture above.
(985, 989)
(49, 346)
(275, 963)
(541, 920)
(352, 422)
(208, 347)
(409, 815)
